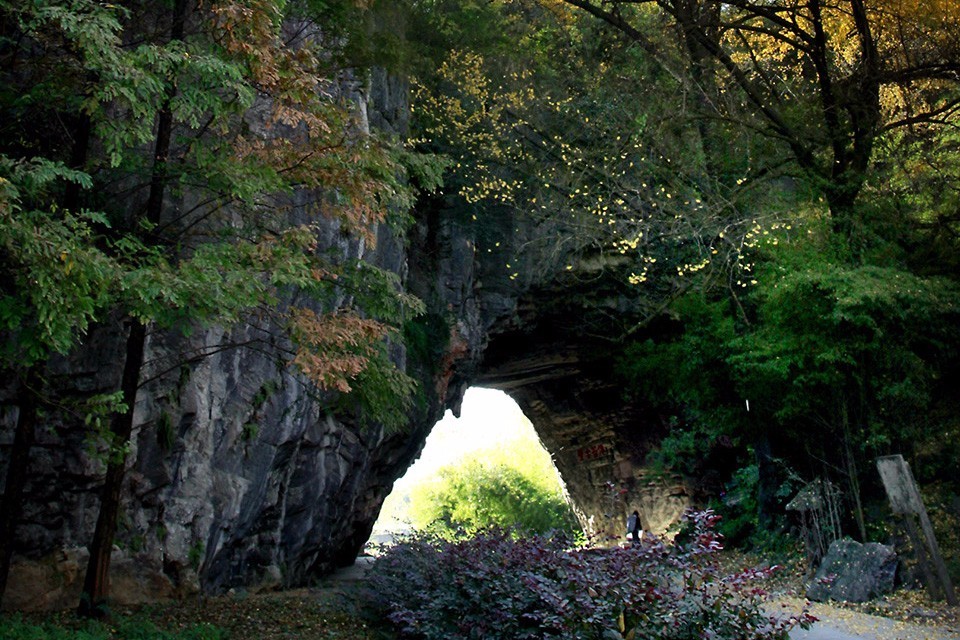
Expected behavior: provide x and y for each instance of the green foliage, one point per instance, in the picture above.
(249, 431)
(839, 363)
(739, 507)
(872, 339)
(195, 554)
(263, 394)
(97, 88)
(424, 170)
(704, 415)
(694, 353)
(381, 393)
(426, 338)
(517, 488)
(102, 444)
(165, 433)
(57, 280)
(121, 628)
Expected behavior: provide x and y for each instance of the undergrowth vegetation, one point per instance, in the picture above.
(16, 628)
(495, 585)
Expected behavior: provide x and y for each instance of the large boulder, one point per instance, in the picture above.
(854, 572)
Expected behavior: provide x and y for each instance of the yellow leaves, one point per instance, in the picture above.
(906, 33)
(692, 267)
(629, 244)
(490, 187)
(480, 113)
(930, 27)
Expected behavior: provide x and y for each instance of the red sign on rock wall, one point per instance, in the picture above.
(593, 452)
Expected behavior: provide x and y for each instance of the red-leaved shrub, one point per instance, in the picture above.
(495, 586)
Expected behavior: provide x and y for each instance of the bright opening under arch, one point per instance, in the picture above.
(489, 421)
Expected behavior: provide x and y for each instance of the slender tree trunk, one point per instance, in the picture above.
(853, 475)
(96, 586)
(11, 505)
(699, 21)
(766, 482)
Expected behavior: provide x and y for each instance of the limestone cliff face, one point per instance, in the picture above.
(239, 478)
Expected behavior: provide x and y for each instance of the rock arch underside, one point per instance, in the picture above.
(239, 477)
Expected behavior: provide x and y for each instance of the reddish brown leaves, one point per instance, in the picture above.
(334, 348)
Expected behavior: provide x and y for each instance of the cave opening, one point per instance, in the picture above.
(491, 430)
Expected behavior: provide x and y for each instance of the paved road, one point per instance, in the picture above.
(842, 624)
(883, 629)
(347, 575)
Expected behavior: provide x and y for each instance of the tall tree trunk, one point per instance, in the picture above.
(11, 505)
(699, 21)
(96, 585)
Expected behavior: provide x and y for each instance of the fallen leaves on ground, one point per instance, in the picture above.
(304, 614)
(332, 613)
(903, 605)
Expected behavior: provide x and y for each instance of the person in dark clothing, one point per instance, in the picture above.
(633, 526)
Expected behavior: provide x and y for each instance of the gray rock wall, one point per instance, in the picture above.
(238, 476)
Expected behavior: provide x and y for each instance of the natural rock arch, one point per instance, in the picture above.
(211, 503)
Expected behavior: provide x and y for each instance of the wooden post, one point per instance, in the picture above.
(929, 580)
(937, 558)
(905, 499)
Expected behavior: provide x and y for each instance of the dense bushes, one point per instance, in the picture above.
(495, 586)
(515, 487)
(475, 496)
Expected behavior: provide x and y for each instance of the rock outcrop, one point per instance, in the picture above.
(239, 477)
(854, 572)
